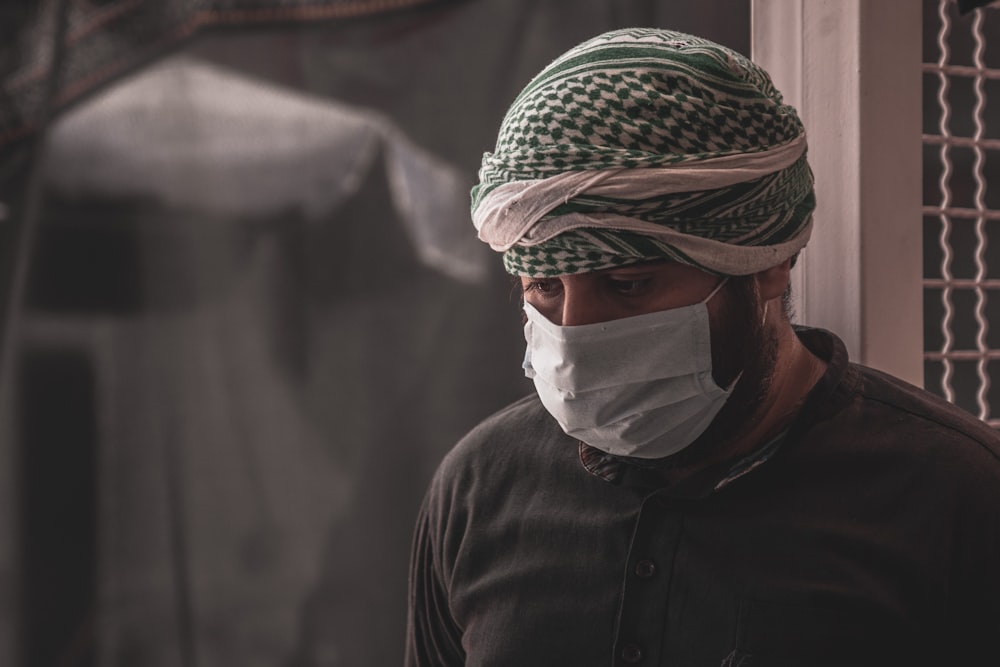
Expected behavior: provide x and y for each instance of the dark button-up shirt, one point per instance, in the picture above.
(869, 534)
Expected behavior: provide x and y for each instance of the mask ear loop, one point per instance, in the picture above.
(708, 298)
(715, 291)
(763, 319)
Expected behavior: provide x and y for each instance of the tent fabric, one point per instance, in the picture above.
(107, 39)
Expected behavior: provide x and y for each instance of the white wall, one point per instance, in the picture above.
(853, 70)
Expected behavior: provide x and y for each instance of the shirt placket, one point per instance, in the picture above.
(642, 617)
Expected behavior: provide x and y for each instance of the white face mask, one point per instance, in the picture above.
(639, 386)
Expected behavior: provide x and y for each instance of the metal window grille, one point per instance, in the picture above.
(961, 214)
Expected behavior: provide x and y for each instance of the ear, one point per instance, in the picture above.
(772, 282)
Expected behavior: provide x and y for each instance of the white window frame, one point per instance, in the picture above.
(853, 70)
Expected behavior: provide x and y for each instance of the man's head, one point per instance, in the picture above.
(634, 175)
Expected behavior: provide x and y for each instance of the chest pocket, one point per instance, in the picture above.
(773, 634)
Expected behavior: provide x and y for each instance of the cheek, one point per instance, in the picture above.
(727, 360)
(735, 335)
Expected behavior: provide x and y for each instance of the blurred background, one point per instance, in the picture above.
(244, 310)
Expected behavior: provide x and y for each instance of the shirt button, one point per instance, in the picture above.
(631, 653)
(645, 569)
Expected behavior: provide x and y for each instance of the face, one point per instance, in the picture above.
(742, 347)
(611, 294)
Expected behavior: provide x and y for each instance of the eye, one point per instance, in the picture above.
(629, 286)
(542, 287)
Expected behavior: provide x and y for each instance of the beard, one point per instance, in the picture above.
(743, 351)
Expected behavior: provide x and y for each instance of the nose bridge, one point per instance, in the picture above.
(579, 305)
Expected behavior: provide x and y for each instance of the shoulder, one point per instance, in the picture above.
(481, 485)
(935, 419)
(517, 446)
(507, 436)
(954, 460)
(524, 418)
(865, 412)
(908, 436)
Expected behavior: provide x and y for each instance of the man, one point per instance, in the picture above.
(696, 482)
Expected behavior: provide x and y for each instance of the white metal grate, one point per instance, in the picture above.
(962, 149)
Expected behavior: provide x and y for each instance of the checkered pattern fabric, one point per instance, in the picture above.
(639, 99)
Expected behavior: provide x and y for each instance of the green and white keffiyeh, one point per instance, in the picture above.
(643, 144)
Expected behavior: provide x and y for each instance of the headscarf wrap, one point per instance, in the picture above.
(646, 144)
